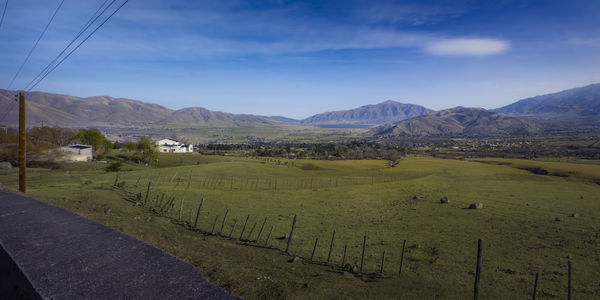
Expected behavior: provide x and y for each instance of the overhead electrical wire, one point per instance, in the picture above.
(3, 13)
(85, 27)
(76, 47)
(35, 45)
(50, 67)
(14, 103)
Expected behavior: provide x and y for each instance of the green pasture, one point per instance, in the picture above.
(517, 224)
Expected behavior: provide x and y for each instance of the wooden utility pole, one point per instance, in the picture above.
(22, 147)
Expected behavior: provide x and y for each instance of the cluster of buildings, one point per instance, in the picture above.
(174, 146)
(80, 152)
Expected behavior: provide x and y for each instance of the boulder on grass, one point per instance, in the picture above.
(476, 205)
(444, 200)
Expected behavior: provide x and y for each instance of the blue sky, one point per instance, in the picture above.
(298, 58)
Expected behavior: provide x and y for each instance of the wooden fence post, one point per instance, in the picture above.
(224, 220)
(535, 284)
(344, 256)
(251, 231)
(214, 224)
(382, 263)
(314, 249)
(362, 257)
(269, 237)
(570, 287)
(233, 228)
(198, 213)
(116, 180)
(402, 258)
(289, 242)
(261, 229)
(331, 246)
(180, 209)
(244, 227)
(477, 271)
(148, 191)
(165, 207)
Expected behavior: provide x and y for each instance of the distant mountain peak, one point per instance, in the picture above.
(371, 114)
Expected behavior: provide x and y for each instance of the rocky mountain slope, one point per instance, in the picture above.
(460, 121)
(577, 102)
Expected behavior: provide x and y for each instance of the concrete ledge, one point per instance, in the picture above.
(49, 253)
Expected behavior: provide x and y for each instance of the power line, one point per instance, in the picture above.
(3, 13)
(35, 45)
(9, 110)
(85, 27)
(77, 47)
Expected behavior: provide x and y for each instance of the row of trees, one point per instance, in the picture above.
(41, 141)
(341, 150)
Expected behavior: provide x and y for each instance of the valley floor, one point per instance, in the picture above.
(517, 224)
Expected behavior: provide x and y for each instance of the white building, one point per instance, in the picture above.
(170, 145)
(77, 153)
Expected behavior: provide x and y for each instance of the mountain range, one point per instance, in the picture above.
(577, 102)
(104, 111)
(574, 108)
(461, 121)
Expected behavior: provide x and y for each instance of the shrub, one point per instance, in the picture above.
(114, 167)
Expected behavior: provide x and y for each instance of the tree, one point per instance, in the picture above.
(131, 146)
(148, 149)
(93, 137)
(52, 135)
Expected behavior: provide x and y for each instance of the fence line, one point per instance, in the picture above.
(163, 210)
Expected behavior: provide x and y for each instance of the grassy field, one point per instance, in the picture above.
(517, 224)
(280, 132)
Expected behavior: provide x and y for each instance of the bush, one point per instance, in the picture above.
(114, 167)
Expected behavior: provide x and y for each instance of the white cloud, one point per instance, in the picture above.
(467, 47)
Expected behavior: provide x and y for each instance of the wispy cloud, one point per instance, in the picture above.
(412, 14)
(467, 46)
(277, 32)
(579, 41)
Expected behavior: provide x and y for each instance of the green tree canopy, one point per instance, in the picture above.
(95, 138)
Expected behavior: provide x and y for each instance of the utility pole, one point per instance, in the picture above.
(22, 187)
